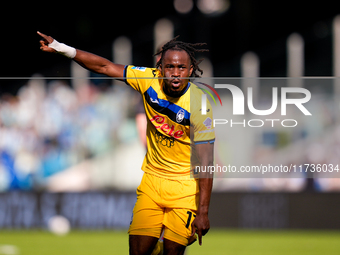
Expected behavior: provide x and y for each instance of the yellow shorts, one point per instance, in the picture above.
(161, 202)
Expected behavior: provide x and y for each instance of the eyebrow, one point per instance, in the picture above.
(180, 65)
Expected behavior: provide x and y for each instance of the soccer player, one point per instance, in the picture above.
(168, 197)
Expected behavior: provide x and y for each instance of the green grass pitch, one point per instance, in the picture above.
(236, 242)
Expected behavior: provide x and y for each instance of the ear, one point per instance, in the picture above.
(161, 69)
(191, 70)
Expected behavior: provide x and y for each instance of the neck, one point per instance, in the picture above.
(175, 94)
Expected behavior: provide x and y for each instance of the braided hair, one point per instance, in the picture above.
(190, 48)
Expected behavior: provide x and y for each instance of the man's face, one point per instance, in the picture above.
(176, 65)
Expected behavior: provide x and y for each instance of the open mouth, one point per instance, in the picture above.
(175, 83)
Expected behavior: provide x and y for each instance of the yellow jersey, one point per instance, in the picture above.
(169, 122)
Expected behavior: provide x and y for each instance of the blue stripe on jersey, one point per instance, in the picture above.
(205, 142)
(165, 103)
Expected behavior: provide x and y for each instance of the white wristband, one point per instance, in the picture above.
(63, 49)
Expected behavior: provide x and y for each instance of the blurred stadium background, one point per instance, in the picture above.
(69, 143)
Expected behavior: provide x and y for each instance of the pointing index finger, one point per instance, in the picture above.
(49, 39)
(41, 34)
(199, 233)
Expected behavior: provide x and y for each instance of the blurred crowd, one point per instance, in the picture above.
(50, 126)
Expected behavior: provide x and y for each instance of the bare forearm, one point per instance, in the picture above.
(201, 224)
(206, 156)
(205, 187)
(98, 64)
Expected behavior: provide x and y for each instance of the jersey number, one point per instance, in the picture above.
(189, 218)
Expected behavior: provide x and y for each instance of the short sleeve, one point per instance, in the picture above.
(139, 77)
(202, 125)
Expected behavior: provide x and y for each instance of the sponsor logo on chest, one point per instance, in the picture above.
(159, 123)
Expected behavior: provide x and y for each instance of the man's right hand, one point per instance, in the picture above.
(45, 42)
(88, 60)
